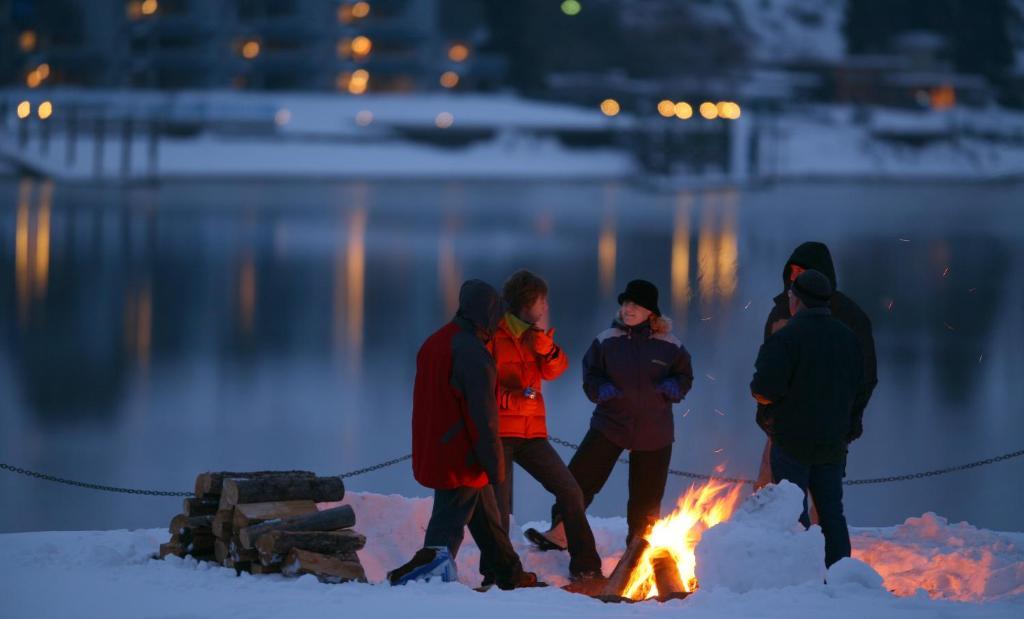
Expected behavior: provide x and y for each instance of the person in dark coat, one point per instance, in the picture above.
(456, 449)
(816, 256)
(808, 381)
(633, 372)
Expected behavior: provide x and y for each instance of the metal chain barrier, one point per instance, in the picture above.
(82, 484)
(555, 440)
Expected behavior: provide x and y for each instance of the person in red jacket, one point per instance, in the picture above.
(526, 355)
(456, 450)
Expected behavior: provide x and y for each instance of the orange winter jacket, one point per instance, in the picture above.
(519, 368)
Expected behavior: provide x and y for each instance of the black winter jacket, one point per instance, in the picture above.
(812, 373)
(816, 256)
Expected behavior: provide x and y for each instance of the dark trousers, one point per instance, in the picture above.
(541, 461)
(824, 482)
(474, 507)
(648, 471)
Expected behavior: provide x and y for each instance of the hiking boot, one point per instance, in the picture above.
(427, 564)
(552, 539)
(524, 580)
(487, 581)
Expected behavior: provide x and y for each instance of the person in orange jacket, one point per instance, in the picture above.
(526, 355)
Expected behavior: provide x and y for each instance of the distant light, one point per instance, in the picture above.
(729, 109)
(33, 79)
(449, 79)
(358, 81)
(45, 110)
(44, 70)
(27, 40)
(361, 46)
(24, 109)
(610, 107)
(571, 7)
(149, 7)
(134, 10)
(360, 9)
(444, 120)
(666, 108)
(251, 49)
(345, 13)
(458, 53)
(364, 118)
(709, 110)
(283, 117)
(683, 110)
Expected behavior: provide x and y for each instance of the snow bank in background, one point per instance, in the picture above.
(953, 561)
(110, 574)
(762, 546)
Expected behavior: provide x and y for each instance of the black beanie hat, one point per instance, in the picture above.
(643, 293)
(813, 288)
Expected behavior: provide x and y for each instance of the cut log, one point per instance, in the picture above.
(209, 484)
(273, 546)
(666, 574)
(201, 542)
(324, 567)
(248, 514)
(617, 582)
(240, 554)
(178, 523)
(281, 488)
(172, 547)
(342, 517)
(223, 524)
(200, 506)
(273, 568)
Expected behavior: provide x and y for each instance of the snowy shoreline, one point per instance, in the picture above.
(112, 574)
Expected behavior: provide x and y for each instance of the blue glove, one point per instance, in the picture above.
(670, 389)
(607, 392)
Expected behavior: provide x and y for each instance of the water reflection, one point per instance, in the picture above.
(239, 305)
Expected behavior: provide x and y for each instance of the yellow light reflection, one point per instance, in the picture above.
(728, 249)
(355, 280)
(706, 262)
(144, 326)
(458, 53)
(449, 273)
(681, 257)
(21, 251)
(42, 249)
(607, 247)
(27, 40)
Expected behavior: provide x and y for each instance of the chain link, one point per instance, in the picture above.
(375, 467)
(555, 440)
(82, 484)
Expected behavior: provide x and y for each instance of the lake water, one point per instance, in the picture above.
(150, 333)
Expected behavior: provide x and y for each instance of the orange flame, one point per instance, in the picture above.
(699, 509)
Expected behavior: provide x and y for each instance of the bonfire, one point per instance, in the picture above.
(666, 554)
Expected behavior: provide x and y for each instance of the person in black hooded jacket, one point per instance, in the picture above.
(816, 256)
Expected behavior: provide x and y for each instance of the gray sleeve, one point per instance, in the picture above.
(474, 374)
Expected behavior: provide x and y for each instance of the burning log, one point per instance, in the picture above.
(619, 580)
(666, 575)
(333, 569)
(210, 484)
(342, 517)
(276, 544)
(281, 488)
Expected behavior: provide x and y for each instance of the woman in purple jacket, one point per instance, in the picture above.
(634, 372)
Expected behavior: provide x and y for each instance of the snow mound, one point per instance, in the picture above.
(850, 571)
(951, 561)
(762, 546)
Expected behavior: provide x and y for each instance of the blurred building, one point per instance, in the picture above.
(319, 45)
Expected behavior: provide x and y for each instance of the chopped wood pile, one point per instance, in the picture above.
(267, 522)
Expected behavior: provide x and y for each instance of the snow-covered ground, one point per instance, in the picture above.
(755, 564)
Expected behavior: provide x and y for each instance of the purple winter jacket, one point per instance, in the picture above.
(636, 360)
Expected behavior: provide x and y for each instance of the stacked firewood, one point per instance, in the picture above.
(268, 522)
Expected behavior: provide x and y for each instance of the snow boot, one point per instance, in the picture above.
(428, 563)
(552, 539)
(524, 580)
